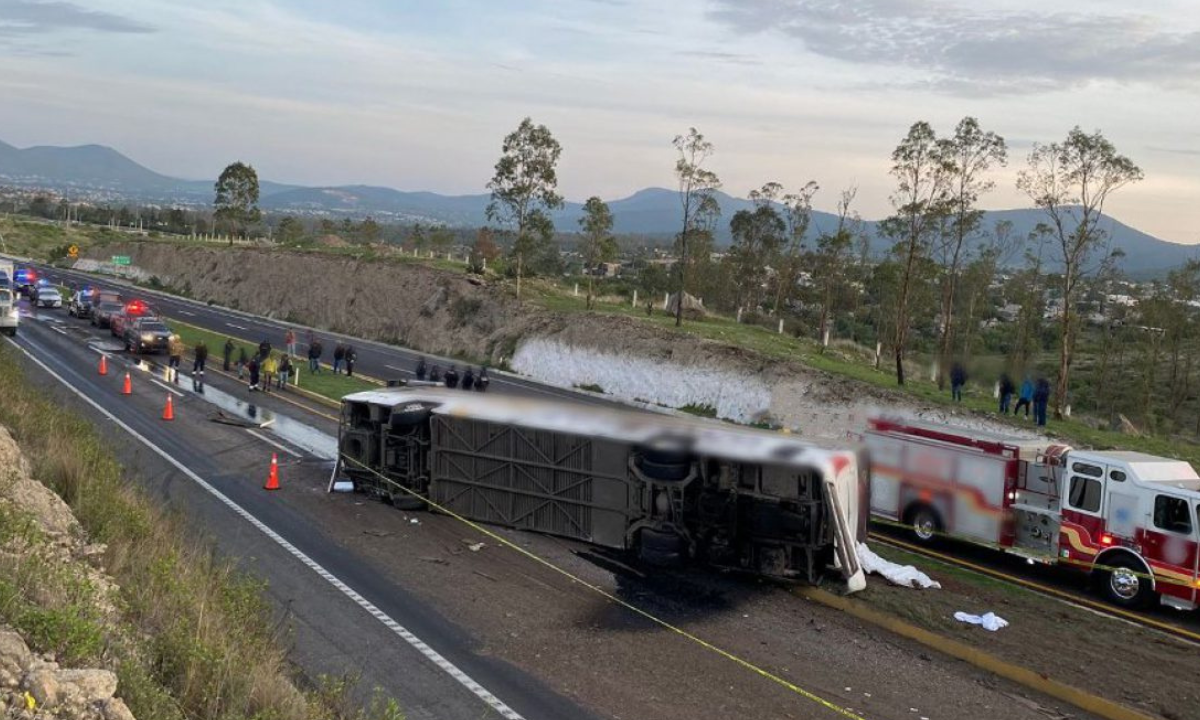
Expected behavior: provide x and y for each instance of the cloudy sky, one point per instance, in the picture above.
(417, 96)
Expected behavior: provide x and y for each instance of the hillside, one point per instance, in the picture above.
(651, 211)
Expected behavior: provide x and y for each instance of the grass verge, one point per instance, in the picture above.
(190, 637)
(325, 384)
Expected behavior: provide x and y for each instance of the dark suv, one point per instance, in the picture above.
(102, 314)
(146, 335)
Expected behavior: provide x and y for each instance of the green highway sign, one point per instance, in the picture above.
(120, 260)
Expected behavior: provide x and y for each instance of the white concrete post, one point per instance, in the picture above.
(635, 298)
(666, 300)
(825, 338)
(780, 326)
(878, 353)
(739, 315)
(576, 290)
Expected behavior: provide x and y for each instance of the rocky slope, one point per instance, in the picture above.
(42, 533)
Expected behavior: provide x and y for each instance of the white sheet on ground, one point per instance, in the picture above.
(988, 621)
(905, 575)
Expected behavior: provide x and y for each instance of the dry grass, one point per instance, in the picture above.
(194, 638)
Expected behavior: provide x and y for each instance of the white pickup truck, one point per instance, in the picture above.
(9, 318)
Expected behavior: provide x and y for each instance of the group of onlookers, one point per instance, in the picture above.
(1033, 394)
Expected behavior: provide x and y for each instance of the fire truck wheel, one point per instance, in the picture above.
(1125, 585)
(656, 547)
(925, 524)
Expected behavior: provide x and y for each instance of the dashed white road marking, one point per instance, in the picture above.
(400, 369)
(417, 643)
(239, 327)
(186, 312)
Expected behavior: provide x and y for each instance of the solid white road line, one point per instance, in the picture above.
(419, 645)
(269, 441)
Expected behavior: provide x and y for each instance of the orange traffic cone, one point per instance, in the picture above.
(103, 364)
(169, 410)
(273, 477)
(128, 389)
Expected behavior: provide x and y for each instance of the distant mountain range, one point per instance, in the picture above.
(102, 172)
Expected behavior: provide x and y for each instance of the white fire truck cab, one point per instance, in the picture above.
(1127, 518)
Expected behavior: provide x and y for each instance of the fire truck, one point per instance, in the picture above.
(1128, 519)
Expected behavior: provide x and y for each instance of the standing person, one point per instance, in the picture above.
(264, 349)
(289, 339)
(468, 379)
(252, 368)
(201, 352)
(1006, 392)
(422, 369)
(339, 354)
(228, 353)
(958, 378)
(482, 381)
(1041, 398)
(314, 357)
(243, 358)
(435, 374)
(285, 372)
(1025, 398)
(174, 355)
(269, 366)
(451, 377)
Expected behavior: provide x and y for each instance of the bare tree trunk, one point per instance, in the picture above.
(902, 307)
(520, 256)
(589, 296)
(1064, 364)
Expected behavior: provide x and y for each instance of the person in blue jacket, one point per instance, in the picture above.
(1025, 398)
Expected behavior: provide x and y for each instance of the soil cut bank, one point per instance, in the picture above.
(450, 313)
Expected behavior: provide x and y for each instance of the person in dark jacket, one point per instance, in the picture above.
(201, 353)
(253, 367)
(422, 369)
(228, 354)
(1041, 398)
(958, 378)
(435, 374)
(482, 380)
(451, 377)
(339, 354)
(1025, 398)
(468, 379)
(1006, 392)
(314, 357)
(264, 349)
(351, 357)
(285, 372)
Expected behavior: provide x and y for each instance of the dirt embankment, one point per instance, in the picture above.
(405, 303)
(449, 313)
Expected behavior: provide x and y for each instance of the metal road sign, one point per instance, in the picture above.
(120, 260)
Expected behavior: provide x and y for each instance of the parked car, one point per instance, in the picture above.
(132, 310)
(47, 296)
(80, 305)
(146, 335)
(103, 313)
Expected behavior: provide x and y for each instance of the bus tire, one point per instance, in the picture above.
(924, 523)
(406, 501)
(1125, 583)
(660, 548)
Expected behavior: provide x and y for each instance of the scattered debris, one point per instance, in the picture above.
(475, 547)
(484, 575)
(988, 621)
(414, 521)
(377, 533)
(434, 560)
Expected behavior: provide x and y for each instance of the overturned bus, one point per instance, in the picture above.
(665, 487)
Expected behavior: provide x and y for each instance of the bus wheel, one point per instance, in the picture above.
(1126, 585)
(924, 523)
(656, 547)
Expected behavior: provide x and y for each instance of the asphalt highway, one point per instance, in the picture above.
(375, 359)
(348, 618)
